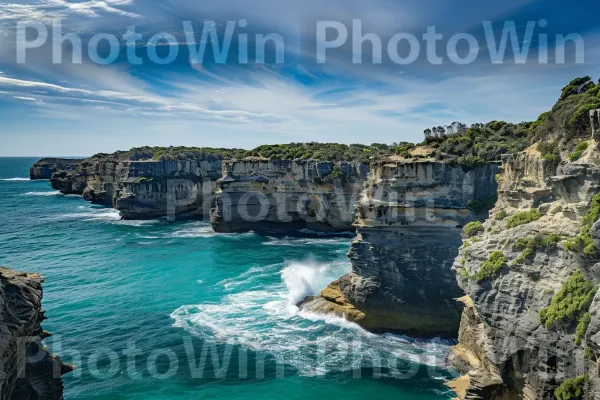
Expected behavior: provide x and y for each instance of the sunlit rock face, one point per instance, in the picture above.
(256, 194)
(408, 222)
(504, 350)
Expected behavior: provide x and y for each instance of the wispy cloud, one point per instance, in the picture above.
(47, 10)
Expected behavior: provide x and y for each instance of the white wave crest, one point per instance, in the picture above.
(54, 193)
(15, 179)
(304, 279)
(264, 318)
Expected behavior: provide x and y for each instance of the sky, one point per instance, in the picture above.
(57, 107)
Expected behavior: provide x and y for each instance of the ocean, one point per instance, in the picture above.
(171, 310)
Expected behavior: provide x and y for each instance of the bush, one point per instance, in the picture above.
(524, 217)
(473, 228)
(583, 241)
(579, 149)
(582, 327)
(571, 389)
(501, 215)
(589, 354)
(491, 266)
(530, 245)
(572, 302)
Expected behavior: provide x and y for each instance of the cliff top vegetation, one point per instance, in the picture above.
(562, 130)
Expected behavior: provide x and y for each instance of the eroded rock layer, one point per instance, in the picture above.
(27, 371)
(408, 223)
(256, 194)
(519, 264)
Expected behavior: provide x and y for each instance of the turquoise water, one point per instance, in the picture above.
(179, 294)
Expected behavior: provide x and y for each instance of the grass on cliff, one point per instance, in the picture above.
(571, 389)
(529, 245)
(491, 266)
(568, 123)
(473, 228)
(583, 241)
(579, 149)
(571, 304)
(524, 217)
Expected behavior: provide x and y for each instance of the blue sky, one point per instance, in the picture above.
(81, 109)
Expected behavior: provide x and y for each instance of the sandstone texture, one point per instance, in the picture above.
(504, 350)
(256, 194)
(44, 168)
(408, 223)
(27, 371)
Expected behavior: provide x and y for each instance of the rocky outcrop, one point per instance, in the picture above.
(408, 223)
(257, 193)
(141, 187)
(44, 168)
(504, 350)
(27, 371)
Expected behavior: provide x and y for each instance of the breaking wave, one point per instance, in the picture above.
(54, 193)
(265, 318)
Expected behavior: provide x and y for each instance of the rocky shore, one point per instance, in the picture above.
(27, 370)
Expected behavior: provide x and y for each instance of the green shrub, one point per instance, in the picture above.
(549, 150)
(524, 217)
(583, 241)
(574, 87)
(589, 354)
(571, 389)
(580, 120)
(473, 228)
(491, 266)
(572, 302)
(501, 215)
(582, 327)
(530, 245)
(579, 149)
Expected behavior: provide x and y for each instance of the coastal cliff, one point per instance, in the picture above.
(531, 274)
(44, 168)
(169, 187)
(146, 183)
(27, 370)
(258, 193)
(530, 328)
(408, 229)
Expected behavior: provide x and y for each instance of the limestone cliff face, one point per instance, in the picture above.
(408, 223)
(505, 351)
(27, 371)
(158, 188)
(140, 187)
(283, 194)
(44, 168)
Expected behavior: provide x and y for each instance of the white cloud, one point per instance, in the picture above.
(47, 10)
(25, 98)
